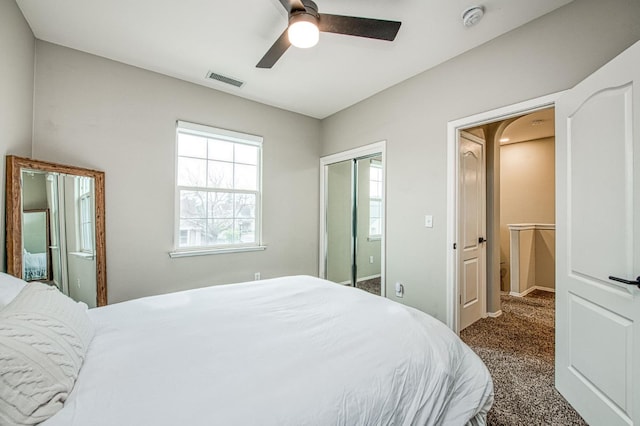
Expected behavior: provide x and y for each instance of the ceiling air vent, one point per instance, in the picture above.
(224, 79)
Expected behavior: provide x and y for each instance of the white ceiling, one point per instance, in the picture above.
(186, 39)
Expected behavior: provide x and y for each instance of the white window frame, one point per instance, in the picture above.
(377, 165)
(230, 136)
(85, 199)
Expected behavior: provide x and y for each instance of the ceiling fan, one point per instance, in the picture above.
(305, 23)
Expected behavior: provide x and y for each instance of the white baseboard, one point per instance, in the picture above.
(530, 289)
(361, 279)
(370, 277)
(494, 314)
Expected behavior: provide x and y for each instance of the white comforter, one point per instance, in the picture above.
(288, 351)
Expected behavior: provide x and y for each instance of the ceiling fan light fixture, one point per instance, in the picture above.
(303, 30)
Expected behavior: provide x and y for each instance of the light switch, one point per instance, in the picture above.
(428, 221)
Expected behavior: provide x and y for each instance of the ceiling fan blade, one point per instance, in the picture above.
(275, 52)
(360, 27)
(291, 5)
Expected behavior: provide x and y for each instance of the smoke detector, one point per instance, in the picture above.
(472, 15)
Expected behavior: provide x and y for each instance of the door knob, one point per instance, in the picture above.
(622, 280)
(482, 240)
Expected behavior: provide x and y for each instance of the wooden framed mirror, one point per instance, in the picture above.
(73, 198)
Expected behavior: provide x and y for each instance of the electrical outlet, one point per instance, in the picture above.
(399, 290)
(256, 276)
(370, 259)
(78, 282)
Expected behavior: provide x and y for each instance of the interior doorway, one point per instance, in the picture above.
(520, 261)
(524, 205)
(352, 218)
(505, 123)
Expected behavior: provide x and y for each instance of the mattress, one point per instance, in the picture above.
(288, 351)
(35, 266)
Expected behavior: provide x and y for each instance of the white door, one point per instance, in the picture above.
(471, 228)
(598, 236)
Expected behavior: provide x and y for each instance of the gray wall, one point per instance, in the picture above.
(17, 48)
(339, 226)
(34, 191)
(528, 195)
(550, 54)
(97, 113)
(34, 232)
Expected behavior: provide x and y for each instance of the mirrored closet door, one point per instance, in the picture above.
(353, 221)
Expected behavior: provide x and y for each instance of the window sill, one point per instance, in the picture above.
(81, 254)
(206, 252)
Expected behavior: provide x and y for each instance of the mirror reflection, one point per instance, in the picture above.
(354, 218)
(36, 251)
(55, 227)
(58, 243)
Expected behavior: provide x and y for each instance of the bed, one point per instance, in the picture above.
(288, 351)
(35, 266)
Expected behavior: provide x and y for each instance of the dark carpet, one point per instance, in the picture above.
(372, 285)
(518, 348)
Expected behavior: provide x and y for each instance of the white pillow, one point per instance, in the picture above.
(10, 286)
(44, 336)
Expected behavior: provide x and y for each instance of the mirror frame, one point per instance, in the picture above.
(14, 166)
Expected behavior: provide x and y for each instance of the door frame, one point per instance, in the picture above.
(453, 129)
(351, 154)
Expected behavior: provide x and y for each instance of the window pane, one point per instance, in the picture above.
(375, 189)
(245, 206)
(375, 227)
(245, 231)
(375, 173)
(221, 205)
(246, 177)
(220, 232)
(220, 150)
(195, 230)
(218, 180)
(192, 204)
(246, 154)
(220, 175)
(192, 146)
(192, 172)
(375, 208)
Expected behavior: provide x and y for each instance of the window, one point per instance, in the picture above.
(375, 199)
(218, 188)
(85, 213)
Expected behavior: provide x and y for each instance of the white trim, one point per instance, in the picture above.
(530, 289)
(494, 314)
(453, 127)
(363, 151)
(206, 252)
(230, 135)
(234, 137)
(82, 255)
(370, 277)
(530, 226)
